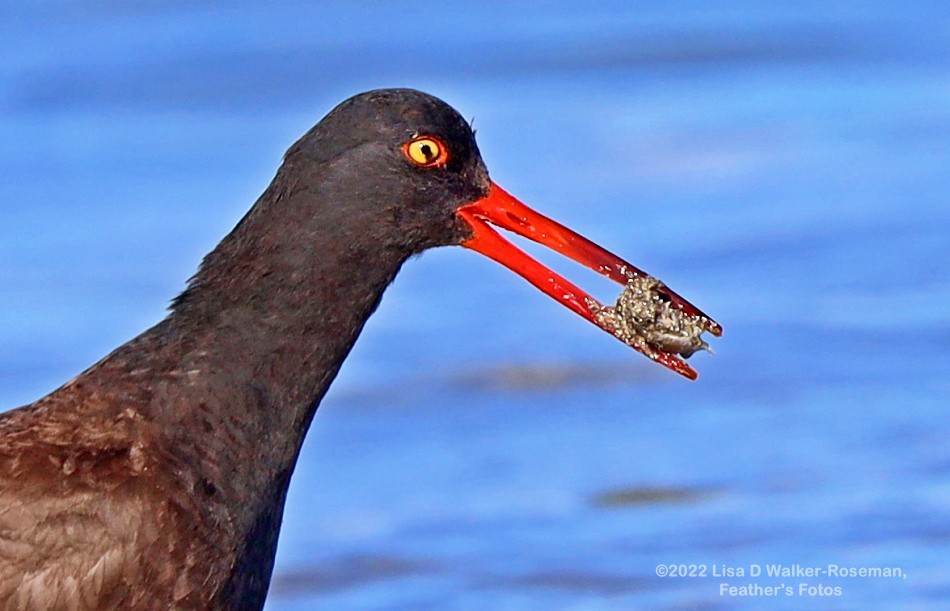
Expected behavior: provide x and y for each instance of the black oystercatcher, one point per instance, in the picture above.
(157, 478)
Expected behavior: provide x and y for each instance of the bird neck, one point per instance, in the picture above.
(265, 326)
(238, 368)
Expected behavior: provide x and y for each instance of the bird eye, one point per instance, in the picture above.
(426, 151)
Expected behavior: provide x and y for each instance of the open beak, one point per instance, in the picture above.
(501, 209)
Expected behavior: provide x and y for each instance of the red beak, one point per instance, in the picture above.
(503, 210)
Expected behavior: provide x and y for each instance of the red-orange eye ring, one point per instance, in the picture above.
(426, 151)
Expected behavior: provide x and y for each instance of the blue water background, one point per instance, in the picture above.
(785, 167)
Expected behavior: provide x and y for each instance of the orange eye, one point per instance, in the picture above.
(426, 151)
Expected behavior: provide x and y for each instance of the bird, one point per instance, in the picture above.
(156, 479)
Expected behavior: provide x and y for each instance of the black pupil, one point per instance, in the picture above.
(427, 152)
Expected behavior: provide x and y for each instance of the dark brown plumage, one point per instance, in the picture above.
(157, 478)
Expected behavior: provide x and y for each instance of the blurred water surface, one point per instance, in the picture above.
(784, 167)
